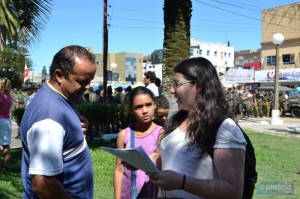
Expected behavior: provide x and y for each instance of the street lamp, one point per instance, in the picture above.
(277, 39)
(113, 66)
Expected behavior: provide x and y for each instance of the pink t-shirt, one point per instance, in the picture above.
(144, 186)
(5, 105)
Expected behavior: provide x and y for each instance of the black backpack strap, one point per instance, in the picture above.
(211, 150)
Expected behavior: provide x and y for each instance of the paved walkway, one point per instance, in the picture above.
(15, 143)
(289, 128)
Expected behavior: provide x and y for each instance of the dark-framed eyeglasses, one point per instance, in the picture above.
(177, 84)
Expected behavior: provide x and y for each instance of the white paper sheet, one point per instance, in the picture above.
(136, 157)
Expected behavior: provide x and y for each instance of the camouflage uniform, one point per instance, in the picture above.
(235, 101)
(255, 104)
(283, 103)
(245, 103)
(229, 100)
(271, 103)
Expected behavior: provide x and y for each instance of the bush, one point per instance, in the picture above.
(103, 118)
(17, 114)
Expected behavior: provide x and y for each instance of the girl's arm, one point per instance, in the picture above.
(119, 169)
(155, 156)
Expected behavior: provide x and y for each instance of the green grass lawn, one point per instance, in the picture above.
(278, 162)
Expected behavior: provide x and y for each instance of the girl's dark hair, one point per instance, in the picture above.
(65, 59)
(210, 107)
(137, 91)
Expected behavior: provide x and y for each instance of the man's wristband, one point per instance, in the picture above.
(183, 182)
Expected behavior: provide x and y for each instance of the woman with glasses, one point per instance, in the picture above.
(202, 151)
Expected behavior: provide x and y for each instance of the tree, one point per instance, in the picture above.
(23, 21)
(8, 22)
(12, 64)
(177, 17)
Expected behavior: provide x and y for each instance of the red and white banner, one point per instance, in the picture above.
(26, 73)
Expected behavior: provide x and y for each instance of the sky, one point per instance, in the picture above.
(137, 25)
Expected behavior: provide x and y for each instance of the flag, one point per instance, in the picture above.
(26, 73)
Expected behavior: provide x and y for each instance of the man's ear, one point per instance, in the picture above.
(58, 75)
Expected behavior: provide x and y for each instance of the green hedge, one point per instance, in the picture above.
(106, 118)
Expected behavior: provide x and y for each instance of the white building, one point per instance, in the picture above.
(219, 54)
(155, 64)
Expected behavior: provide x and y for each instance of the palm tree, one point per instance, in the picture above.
(8, 22)
(22, 21)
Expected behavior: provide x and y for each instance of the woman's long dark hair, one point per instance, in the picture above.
(210, 106)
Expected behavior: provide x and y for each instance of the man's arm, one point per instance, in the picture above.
(48, 187)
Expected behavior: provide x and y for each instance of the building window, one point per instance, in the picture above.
(208, 52)
(215, 53)
(271, 60)
(225, 54)
(228, 54)
(200, 52)
(288, 58)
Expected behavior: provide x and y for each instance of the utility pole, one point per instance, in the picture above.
(105, 50)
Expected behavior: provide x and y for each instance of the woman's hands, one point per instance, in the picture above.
(166, 180)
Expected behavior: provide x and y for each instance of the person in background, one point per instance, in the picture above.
(126, 96)
(245, 105)
(44, 74)
(93, 96)
(6, 102)
(30, 90)
(202, 151)
(283, 103)
(158, 84)
(146, 134)
(229, 100)
(56, 160)
(271, 102)
(235, 98)
(99, 97)
(119, 97)
(110, 97)
(162, 110)
(149, 81)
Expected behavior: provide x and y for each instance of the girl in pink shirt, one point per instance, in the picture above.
(146, 134)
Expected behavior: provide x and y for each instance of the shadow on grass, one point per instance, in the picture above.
(96, 143)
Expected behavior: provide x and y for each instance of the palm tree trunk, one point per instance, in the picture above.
(177, 17)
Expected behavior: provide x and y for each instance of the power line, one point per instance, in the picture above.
(135, 27)
(130, 19)
(244, 15)
(137, 11)
(237, 6)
